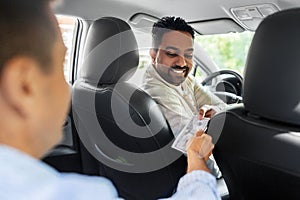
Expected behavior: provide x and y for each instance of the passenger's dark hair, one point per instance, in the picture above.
(26, 29)
(167, 24)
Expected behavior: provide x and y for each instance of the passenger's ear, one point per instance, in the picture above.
(153, 53)
(19, 84)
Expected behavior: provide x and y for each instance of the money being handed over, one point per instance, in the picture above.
(189, 131)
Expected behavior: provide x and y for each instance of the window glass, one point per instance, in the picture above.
(228, 51)
(67, 26)
(144, 62)
(199, 72)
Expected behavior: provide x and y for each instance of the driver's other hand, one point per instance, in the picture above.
(201, 144)
(206, 111)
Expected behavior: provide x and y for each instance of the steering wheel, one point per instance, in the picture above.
(228, 89)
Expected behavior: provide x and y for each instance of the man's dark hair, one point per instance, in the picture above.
(167, 24)
(26, 29)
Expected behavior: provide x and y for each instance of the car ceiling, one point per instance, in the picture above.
(190, 10)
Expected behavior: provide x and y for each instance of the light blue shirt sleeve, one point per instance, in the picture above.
(196, 185)
(23, 177)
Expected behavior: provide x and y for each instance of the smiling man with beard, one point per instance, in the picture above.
(173, 59)
(167, 80)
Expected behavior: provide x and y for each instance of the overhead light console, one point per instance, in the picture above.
(250, 16)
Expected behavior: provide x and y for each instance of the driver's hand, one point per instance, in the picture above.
(206, 111)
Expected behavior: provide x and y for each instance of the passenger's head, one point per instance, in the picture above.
(172, 49)
(34, 95)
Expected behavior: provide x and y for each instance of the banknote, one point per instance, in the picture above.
(189, 131)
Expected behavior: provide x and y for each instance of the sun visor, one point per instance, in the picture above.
(144, 22)
(216, 26)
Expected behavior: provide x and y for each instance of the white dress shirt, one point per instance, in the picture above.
(179, 103)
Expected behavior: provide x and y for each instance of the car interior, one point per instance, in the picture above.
(115, 129)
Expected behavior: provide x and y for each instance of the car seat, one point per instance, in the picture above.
(257, 143)
(124, 134)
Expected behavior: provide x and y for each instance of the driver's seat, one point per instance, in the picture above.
(258, 143)
(120, 125)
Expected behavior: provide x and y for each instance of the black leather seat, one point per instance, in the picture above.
(258, 143)
(120, 125)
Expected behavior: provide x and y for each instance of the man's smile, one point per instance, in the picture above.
(179, 71)
(182, 71)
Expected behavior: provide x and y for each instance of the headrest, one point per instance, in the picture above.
(272, 74)
(110, 52)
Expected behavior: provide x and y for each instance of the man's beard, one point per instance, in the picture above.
(175, 74)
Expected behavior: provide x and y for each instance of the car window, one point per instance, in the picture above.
(144, 40)
(67, 26)
(144, 62)
(228, 51)
(198, 71)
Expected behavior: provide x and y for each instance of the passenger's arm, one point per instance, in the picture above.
(198, 183)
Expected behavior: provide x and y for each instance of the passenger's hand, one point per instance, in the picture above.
(199, 149)
(201, 144)
(206, 111)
